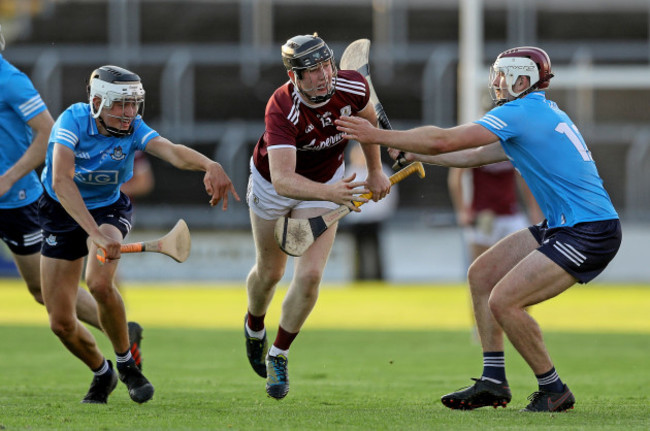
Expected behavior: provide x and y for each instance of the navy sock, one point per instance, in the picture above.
(123, 359)
(550, 381)
(494, 367)
(103, 369)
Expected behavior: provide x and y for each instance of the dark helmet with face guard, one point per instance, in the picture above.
(305, 52)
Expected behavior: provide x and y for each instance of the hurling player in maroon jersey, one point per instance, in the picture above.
(297, 169)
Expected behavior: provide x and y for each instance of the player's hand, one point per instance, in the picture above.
(111, 249)
(378, 184)
(218, 185)
(347, 191)
(359, 129)
(394, 154)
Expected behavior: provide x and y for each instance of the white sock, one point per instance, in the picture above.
(274, 351)
(255, 334)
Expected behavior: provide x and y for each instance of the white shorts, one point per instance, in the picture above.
(269, 205)
(490, 228)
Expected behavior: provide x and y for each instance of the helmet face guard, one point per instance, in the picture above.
(2, 40)
(528, 61)
(114, 85)
(310, 53)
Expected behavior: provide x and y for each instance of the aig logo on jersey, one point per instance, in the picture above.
(97, 178)
(118, 154)
(346, 111)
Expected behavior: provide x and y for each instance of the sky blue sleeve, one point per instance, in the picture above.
(23, 97)
(143, 134)
(66, 130)
(502, 121)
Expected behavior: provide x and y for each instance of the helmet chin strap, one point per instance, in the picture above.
(114, 131)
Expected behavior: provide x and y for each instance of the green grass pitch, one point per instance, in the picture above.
(372, 357)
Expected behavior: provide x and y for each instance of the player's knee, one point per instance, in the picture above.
(478, 280)
(310, 279)
(270, 277)
(63, 327)
(498, 306)
(101, 289)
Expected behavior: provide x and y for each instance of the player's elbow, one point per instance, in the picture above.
(282, 186)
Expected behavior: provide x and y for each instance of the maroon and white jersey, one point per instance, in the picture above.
(291, 123)
(495, 188)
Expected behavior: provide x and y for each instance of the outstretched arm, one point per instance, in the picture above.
(41, 124)
(470, 158)
(427, 140)
(216, 181)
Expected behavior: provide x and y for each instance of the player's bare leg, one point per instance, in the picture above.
(60, 287)
(308, 273)
(506, 280)
(110, 305)
(29, 268)
(112, 315)
(535, 279)
(297, 305)
(483, 275)
(269, 268)
(485, 272)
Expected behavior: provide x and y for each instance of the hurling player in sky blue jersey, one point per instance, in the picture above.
(579, 237)
(25, 125)
(90, 154)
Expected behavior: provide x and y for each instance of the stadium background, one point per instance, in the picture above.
(209, 66)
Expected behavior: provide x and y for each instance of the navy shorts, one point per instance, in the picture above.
(20, 230)
(583, 250)
(63, 238)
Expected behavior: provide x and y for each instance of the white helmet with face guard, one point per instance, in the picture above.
(113, 84)
(529, 61)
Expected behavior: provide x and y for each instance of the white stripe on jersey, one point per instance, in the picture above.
(144, 138)
(295, 111)
(353, 87)
(357, 84)
(31, 105)
(495, 122)
(67, 136)
(280, 146)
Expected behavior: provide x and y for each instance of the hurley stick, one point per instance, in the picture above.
(295, 236)
(175, 244)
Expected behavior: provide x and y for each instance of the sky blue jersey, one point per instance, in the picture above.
(19, 103)
(102, 163)
(548, 150)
